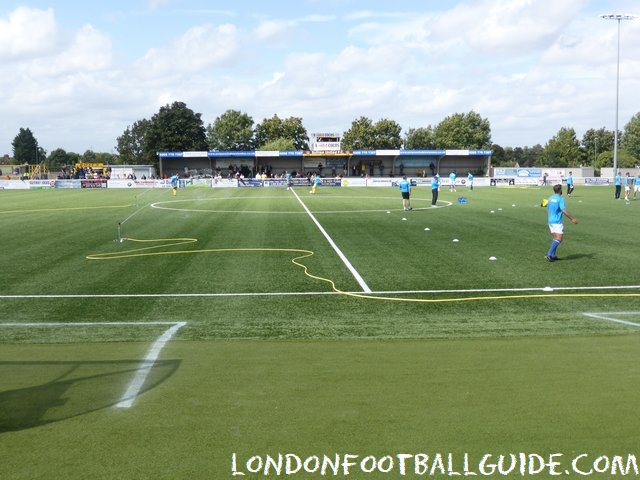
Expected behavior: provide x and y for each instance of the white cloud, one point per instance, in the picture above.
(88, 51)
(514, 25)
(157, 4)
(201, 48)
(272, 29)
(28, 33)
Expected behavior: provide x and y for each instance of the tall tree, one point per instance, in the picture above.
(463, 131)
(563, 150)
(594, 142)
(175, 128)
(531, 156)
(275, 128)
(279, 144)
(59, 159)
(631, 136)
(268, 130)
(386, 134)
(89, 156)
(625, 159)
(108, 158)
(131, 143)
(294, 130)
(498, 155)
(512, 156)
(361, 135)
(420, 139)
(231, 131)
(25, 148)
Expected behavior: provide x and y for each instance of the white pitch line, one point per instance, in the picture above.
(285, 294)
(344, 259)
(147, 364)
(79, 324)
(605, 316)
(161, 295)
(142, 372)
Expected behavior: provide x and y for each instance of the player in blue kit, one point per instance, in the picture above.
(627, 187)
(174, 184)
(569, 184)
(315, 181)
(556, 209)
(405, 190)
(435, 188)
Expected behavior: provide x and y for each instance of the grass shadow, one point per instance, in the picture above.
(74, 388)
(576, 256)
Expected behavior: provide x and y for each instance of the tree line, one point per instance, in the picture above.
(178, 128)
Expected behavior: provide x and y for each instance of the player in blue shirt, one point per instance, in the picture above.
(569, 185)
(452, 181)
(174, 184)
(316, 180)
(617, 181)
(556, 209)
(435, 187)
(405, 190)
(470, 181)
(627, 187)
(636, 185)
(289, 180)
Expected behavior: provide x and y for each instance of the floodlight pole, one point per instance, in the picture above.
(618, 17)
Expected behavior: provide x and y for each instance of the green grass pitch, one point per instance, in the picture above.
(229, 333)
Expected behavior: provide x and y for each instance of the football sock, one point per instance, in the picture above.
(553, 248)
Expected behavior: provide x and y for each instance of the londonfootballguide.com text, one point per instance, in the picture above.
(422, 464)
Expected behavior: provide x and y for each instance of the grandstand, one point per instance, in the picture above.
(331, 162)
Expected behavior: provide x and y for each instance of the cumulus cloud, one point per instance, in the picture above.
(272, 29)
(28, 32)
(200, 48)
(514, 25)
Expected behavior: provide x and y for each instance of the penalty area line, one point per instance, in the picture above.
(133, 390)
(80, 324)
(606, 316)
(146, 365)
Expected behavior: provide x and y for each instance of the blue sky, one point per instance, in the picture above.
(78, 75)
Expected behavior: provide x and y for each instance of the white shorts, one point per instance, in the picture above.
(556, 228)
(637, 188)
